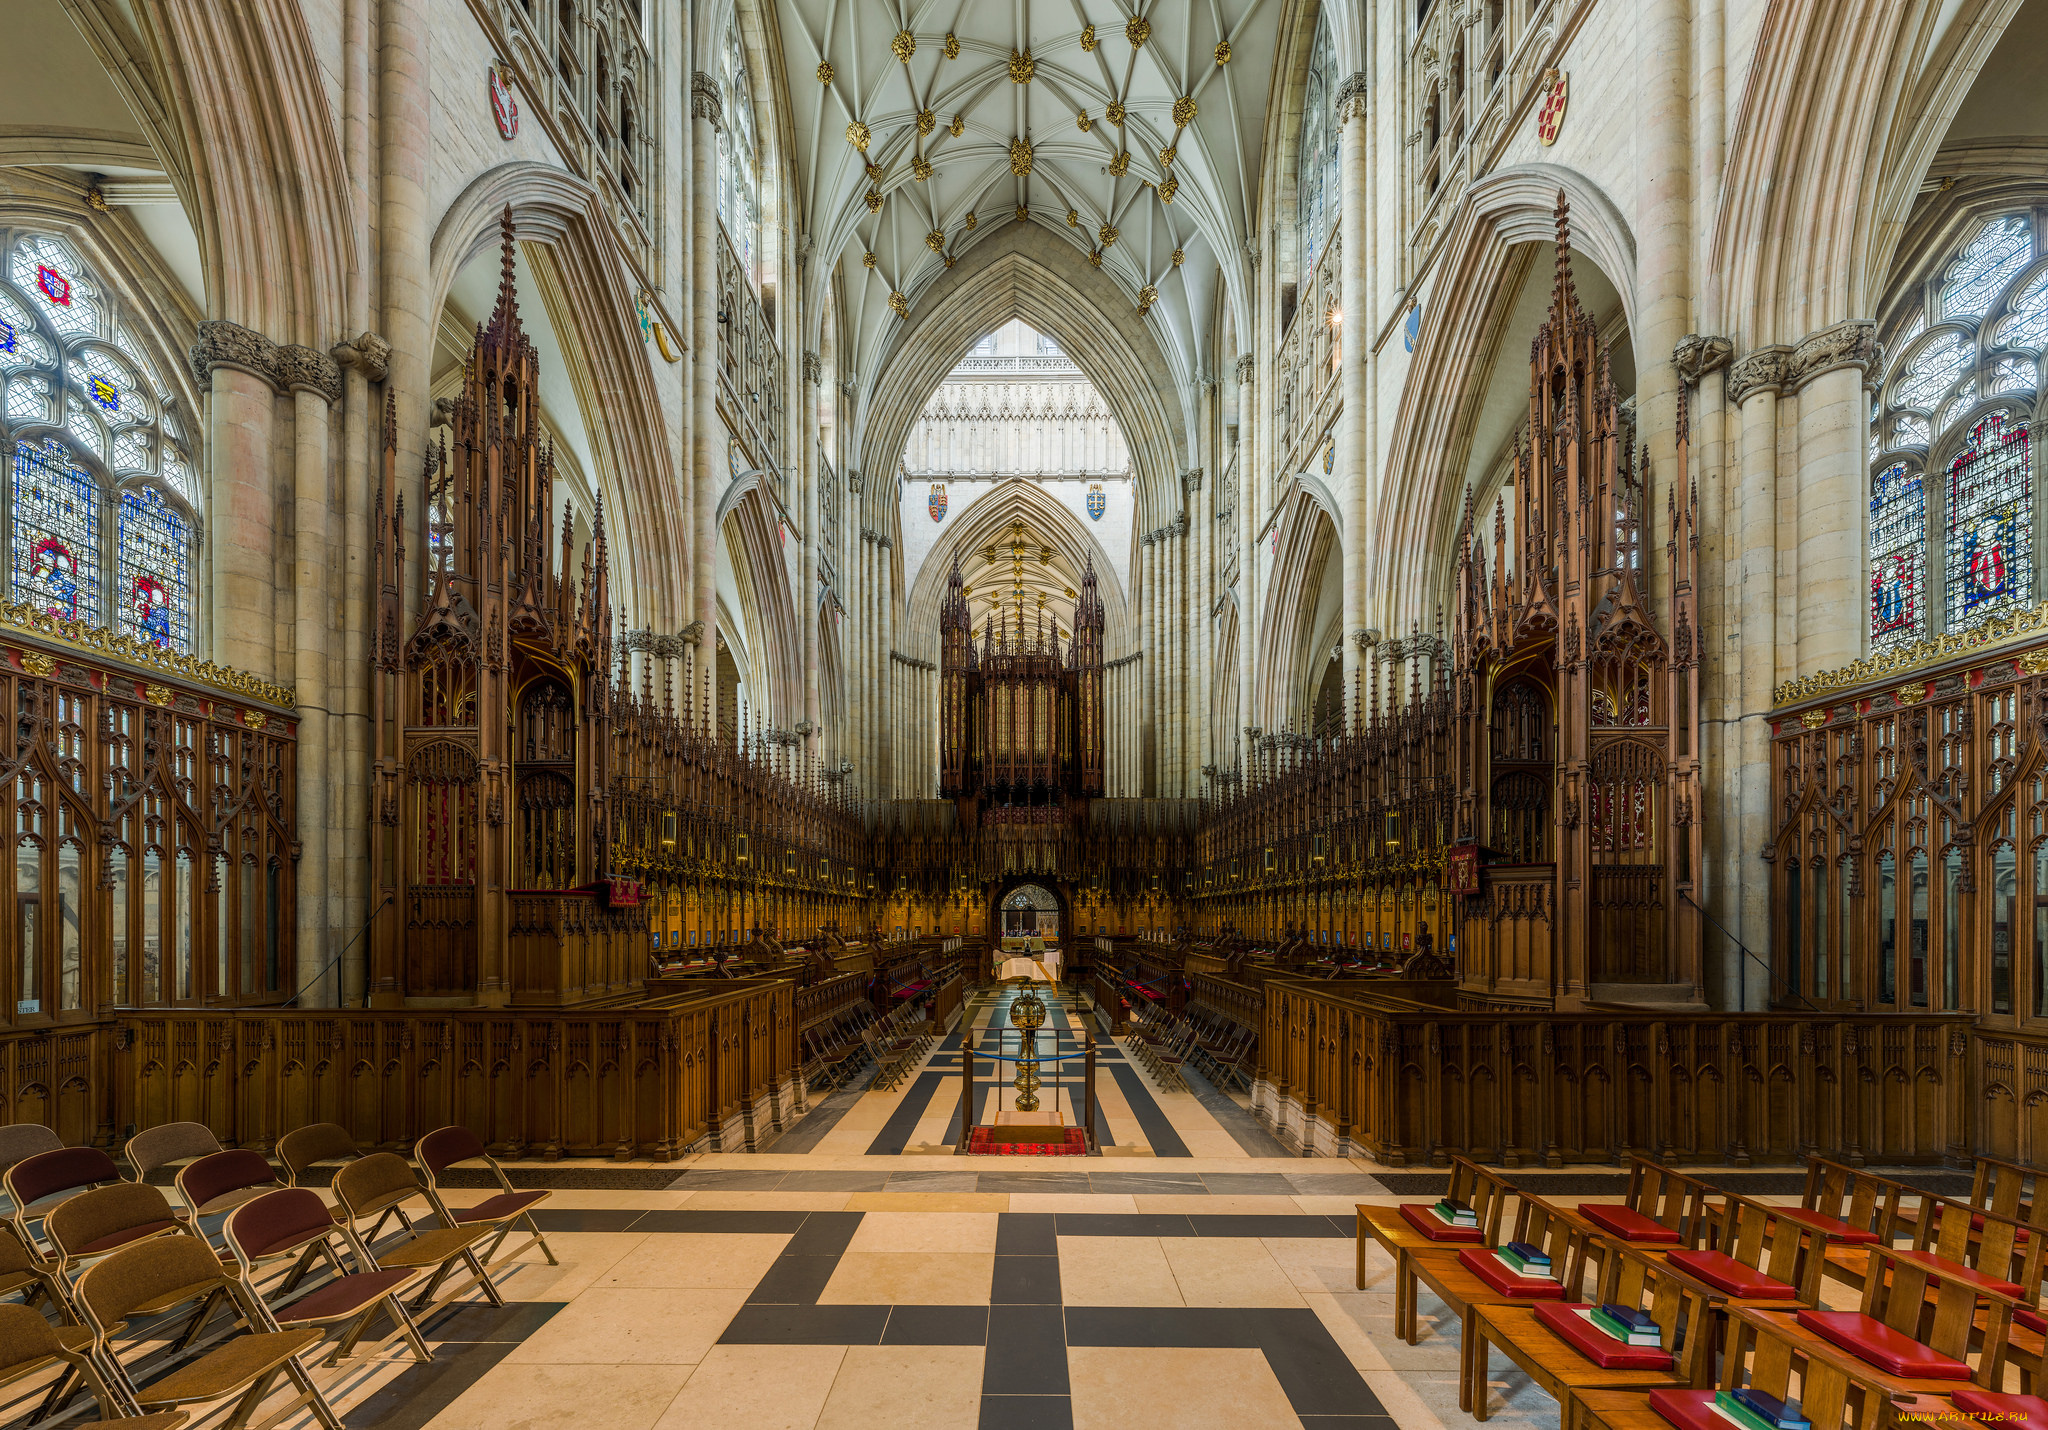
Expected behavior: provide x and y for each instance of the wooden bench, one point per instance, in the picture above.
(1566, 1357)
(1397, 1229)
(1662, 1207)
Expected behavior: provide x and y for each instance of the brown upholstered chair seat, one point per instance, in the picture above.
(221, 1372)
(346, 1296)
(431, 1248)
(498, 1208)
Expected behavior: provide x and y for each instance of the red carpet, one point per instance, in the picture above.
(980, 1145)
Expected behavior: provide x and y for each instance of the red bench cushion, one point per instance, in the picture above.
(1436, 1229)
(1488, 1268)
(2027, 1409)
(1942, 1269)
(1628, 1224)
(1724, 1273)
(1596, 1345)
(2032, 1320)
(1688, 1409)
(1833, 1226)
(1871, 1340)
(2019, 1235)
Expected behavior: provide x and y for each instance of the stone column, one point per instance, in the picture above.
(364, 360)
(814, 535)
(1245, 533)
(707, 455)
(1826, 369)
(1354, 446)
(892, 714)
(405, 235)
(236, 365)
(1661, 121)
(1752, 391)
(315, 382)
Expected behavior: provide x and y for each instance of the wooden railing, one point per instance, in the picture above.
(823, 1001)
(640, 1082)
(1413, 1085)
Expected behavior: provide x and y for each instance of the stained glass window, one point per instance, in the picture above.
(156, 579)
(1989, 527)
(99, 523)
(1993, 259)
(739, 174)
(2027, 326)
(1316, 161)
(56, 520)
(1898, 556)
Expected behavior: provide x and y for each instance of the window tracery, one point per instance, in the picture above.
(739, 174)
(1316, 160)
(99, 521)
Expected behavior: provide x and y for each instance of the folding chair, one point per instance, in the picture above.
(39, 1183)
(301, 1149)
(217, 1183)
(28, 1343)
(24, 1268)
(446, 1147)
(158, 1275)
(105, 1219)
(294, 1222)
(174, 1142)
(22, 1140)
(371, 1186)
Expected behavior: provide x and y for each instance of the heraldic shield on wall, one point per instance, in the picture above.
(1097, 502)
(937, 503)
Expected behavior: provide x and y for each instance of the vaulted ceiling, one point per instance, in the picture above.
(922, 126)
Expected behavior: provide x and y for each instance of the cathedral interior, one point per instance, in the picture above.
(655, 648)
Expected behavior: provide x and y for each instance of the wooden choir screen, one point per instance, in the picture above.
(149, 819)
(1411, 1087)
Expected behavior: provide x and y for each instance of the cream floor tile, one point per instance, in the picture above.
(620, 1200)
(1329, 1206)
(546, 1397)
(622, 1325)
(906, 1388)
(1117, 1387)
(842, 1140)
(585, 1257)
(1116, 1271)
(911, 1278)
(1218, 1206)
(1073, 1202)
(722, 1201)
(1227, 1271)
(1402, 1396)
(756, 1387)
(1210, 1144)
(1316, 1263)
(727, 1261)
(910, 1230)
(1356, 1324)
(871, 1114)
(891, 1203)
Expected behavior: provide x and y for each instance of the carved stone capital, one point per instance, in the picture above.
(224, 344)
(1696, 356)
(705, 100)
(1850, 344)
(1351, 97)
(693, 633)
(1247, 366)
(366, 351)
(302, 369)
(848, 387)
(1251, 254)
(813, 368)
(1193, 479)
(1756, 372)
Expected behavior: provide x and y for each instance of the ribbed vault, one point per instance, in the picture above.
(1027, 272)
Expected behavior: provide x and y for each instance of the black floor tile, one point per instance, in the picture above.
(591, 1219)
(1124, 1224)
(937, 1326)
(1318, 1377)
(1026, 1281)
(1349, 1422)
(1026, 1412)
(418, 1393)
(794, 1280)
(1027, 1351)
(1254, 1225)
(806, 1326)
(1026, 1234)
(823, 1234)
(683, 1219)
